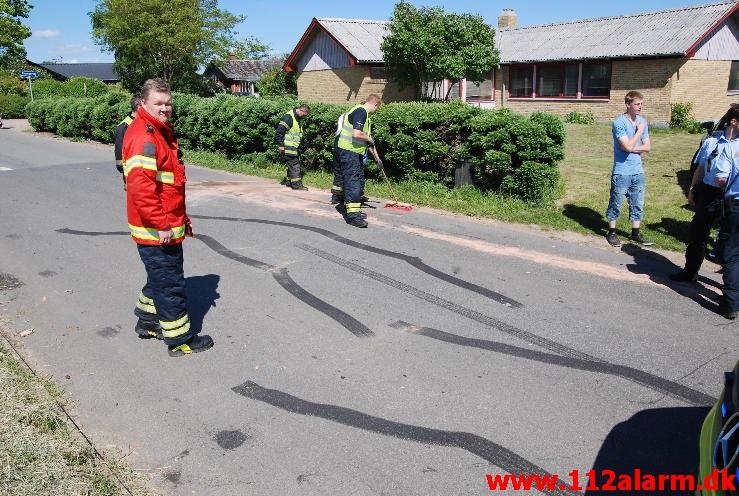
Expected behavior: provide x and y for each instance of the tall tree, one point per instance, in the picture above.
(12, 31)
(427, 45)
(164, 38)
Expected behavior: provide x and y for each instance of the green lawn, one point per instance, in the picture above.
(586, 173)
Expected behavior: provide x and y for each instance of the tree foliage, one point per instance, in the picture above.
(427, 45)
(276, 82)
(169, 39)
(12, 31)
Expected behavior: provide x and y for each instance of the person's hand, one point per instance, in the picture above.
(640, 125)
(165, 237)
(281, 150)
(370, 142)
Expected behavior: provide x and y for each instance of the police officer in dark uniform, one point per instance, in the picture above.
(706, 194)
(354, 139)
(287, 138)
(120, 131)
(729, 303)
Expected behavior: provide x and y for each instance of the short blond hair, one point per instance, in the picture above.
(633, 95)
(373, 97)
(158, 85)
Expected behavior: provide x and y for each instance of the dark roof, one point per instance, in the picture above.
(245, 70)
(103, 71)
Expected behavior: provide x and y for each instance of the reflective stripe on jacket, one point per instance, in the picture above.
(347, 141)
(155, 179)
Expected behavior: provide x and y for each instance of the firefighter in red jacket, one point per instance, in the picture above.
(155, 198)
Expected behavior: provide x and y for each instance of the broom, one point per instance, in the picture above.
(405, 207)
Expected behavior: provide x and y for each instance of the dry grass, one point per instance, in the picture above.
(40, 452)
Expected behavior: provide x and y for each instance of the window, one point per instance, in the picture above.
(565, 80)
(482, 91)
(378, 73)
(734, 76)
(521, 81)
(596, 80)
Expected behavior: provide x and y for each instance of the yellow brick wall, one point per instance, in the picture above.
(347, 85)
(704, 83)
(651, 77)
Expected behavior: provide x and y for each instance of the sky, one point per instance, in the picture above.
(61, 28)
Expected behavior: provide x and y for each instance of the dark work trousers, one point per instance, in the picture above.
(165, 285)
(352, 170)
(293, 167)
(730, 228)
(337, 187)
(707, 214)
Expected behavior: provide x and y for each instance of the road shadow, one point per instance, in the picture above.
(676, 229)
(202, 293)
(655, 441)
(659, 268)
(586, 217)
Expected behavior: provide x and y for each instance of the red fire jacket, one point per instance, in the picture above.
(155, 180)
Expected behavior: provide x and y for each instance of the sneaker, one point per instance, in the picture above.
(148, 330)
(613, 239)
(195, 345)
(683, 276)
(357, 221)
(298, 186)
(639, 238)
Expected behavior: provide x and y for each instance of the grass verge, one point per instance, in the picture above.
(40, 453)
(586, 173)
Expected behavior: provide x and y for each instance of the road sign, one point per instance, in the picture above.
(29, 74)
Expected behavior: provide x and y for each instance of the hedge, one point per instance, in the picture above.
(13, 106)
(73, 87)
(418, 141)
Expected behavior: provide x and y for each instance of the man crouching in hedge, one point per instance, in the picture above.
(287, 137)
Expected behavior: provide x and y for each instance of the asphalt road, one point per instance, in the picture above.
(410, 358)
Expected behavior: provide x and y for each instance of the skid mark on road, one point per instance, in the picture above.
(413, 261)
(280, 275)
(651, 381)
(309, 203)
(493, 453)
(487, 320)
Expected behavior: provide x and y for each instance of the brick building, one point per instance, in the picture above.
(673, 56)
(340, 61)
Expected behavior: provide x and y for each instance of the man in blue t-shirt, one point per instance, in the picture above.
(630, 140)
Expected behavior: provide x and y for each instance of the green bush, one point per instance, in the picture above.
(575, 117)
(13, 106)
(681, 117)
(76, 87)
(10, 84)
(417, 141)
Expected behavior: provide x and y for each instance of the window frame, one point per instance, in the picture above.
(729, 89)
(477, 98)
(562, 65)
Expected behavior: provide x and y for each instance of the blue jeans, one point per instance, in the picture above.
(632, 187)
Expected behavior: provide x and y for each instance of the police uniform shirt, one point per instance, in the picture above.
(729, 158)
(708, 158)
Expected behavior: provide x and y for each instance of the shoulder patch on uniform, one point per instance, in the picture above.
(150, 149)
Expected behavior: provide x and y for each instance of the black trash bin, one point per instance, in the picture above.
(463, 173)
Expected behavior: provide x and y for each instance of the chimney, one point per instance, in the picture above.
(508, 19)
(231, 56)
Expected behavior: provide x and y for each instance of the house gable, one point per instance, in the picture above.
(722, 43)
(322, 52)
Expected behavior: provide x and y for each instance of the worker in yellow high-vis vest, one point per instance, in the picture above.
(354, 139)
(120, 131)
(287, 137)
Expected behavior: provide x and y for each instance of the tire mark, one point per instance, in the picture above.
(487, 320)
(646, 379)
(280, 275)
(493, 453)
(413, 261)
(283, 279)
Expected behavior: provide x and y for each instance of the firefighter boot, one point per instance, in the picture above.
(298, 185)
(337, 199)
(195, 345)
(148, 330)
(357, 221)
